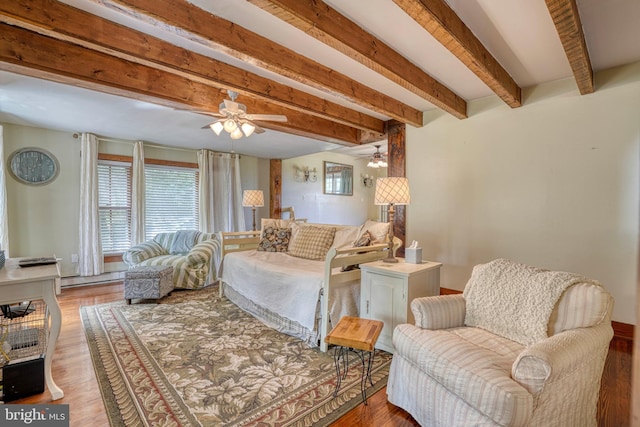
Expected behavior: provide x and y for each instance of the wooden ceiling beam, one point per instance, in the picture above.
(441, 21)
(566, 18)
(58, 20)
(327, 25)
(187, 20)
(29, 53)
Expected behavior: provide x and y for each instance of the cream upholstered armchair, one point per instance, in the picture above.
(520, 347)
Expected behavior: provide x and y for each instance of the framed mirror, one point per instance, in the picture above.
(338, 179)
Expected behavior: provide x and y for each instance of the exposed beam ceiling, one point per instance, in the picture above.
(197, 25)
(327, 25)
(567, 21)
(40, 56)
(441, 21)
(70, 24)
(142, 69)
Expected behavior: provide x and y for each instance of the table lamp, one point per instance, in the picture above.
(255, 199)
(392, 191)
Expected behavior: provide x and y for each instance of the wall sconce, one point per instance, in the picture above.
(367, 180)
(305, 174)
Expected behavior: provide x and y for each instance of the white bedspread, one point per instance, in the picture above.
(291, 287)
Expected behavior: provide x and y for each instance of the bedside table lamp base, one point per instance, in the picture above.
(390, 258)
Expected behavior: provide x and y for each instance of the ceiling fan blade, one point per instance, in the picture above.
(231, 105)
(207, 113)
(267, 117)
(258, 129)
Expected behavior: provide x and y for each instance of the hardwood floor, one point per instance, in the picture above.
(73, 372)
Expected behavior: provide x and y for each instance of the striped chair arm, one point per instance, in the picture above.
(202, 253)
(439, 312)
(557, 357)
(138, 253)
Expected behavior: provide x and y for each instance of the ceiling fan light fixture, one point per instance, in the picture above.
(248, 129)
(377, 159)
(236, 134)
(230, 125)
(217, 127)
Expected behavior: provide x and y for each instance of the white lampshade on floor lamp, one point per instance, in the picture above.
(392, 191)
(255, 199)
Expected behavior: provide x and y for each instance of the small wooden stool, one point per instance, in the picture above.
(352, 334)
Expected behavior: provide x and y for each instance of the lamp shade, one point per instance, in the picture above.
(392, 190)
(253, 198)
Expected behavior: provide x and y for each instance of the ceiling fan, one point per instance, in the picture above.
(235, 120)
(377, 159)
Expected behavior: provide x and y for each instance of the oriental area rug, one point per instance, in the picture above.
(196, 359)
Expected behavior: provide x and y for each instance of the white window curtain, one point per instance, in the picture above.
(137, 195)
(90, 260)
(220, 192)
(4, 222)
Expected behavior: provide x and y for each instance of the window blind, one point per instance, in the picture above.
(114, 204)
(171, 199)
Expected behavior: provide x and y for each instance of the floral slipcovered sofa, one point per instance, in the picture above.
(193, 255)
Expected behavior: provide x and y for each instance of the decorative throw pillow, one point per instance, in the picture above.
(275, 239)
(379, 231)
(345, 235)
(364, 240)
(312, 242)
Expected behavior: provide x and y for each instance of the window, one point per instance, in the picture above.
(171, 194)
(114, 205)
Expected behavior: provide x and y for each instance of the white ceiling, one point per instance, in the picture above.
(519, 34)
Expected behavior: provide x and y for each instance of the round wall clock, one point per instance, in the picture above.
(33, 166)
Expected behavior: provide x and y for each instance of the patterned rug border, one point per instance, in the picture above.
(123, 410)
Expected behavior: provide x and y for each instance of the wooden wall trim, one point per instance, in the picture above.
(396, 158)
(620, 330)
(275, 188)
(113, 258)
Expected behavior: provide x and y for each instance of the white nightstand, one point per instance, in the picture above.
(388, 289)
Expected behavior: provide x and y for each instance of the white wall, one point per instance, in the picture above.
(43, 220)
(553, 183)
(309, 202)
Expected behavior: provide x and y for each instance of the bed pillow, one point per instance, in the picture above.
(275, 239)
(275, 223)
(312, 242)
(379, 231)
(345, 236)
(364, 240)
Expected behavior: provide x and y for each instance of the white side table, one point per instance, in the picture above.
(388, 289)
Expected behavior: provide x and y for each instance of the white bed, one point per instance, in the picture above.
(287, 292)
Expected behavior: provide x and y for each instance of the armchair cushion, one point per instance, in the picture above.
(465, 363)
(183, 241)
